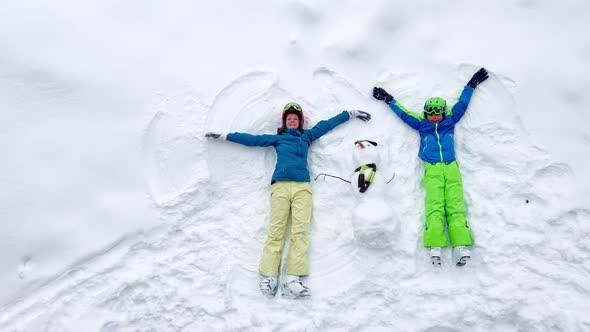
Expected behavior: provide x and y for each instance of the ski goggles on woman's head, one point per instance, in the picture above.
(438, 110)
(294, 106)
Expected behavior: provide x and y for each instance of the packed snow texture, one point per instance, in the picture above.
(118, 215)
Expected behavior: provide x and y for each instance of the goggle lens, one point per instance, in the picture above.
(433, 110)
(294, 106)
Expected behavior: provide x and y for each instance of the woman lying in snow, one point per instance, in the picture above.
(290, 191)
(442, 178)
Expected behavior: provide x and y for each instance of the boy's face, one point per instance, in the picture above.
(434, 118)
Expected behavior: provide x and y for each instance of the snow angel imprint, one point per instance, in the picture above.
(290, 193)
(442, 178)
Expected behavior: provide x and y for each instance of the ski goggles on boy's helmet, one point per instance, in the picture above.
(435, 105)
(434, 110)
(294, 106)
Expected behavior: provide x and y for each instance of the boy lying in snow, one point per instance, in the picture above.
(442, 178)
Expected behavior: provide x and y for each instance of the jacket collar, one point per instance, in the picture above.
(293, 131)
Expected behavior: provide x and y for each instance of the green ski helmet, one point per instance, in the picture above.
(435, 105)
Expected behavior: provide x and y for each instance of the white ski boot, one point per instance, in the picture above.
(294, 288)
(268, 285)
(462, 255)
(435, 254)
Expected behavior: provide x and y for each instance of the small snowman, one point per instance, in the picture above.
(374, 220)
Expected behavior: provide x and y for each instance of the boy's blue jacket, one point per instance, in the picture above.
(436, 140)
(291, 146)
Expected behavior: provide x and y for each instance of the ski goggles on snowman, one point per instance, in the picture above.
(294, 106)
(433, 109)
(366, 176)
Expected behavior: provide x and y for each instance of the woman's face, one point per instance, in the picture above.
(292, 121)
(434, 118)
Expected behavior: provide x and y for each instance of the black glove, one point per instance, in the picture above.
(360, 115)
(381, 94)
(478, 77)
(211, 135)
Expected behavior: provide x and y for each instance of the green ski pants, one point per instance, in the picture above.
(294, 197)
(444, 198)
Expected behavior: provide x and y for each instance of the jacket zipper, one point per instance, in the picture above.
(438, 141)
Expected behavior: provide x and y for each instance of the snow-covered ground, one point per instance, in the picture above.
(117, 214)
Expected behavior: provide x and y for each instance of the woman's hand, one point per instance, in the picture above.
(359, 115)
(219, 136)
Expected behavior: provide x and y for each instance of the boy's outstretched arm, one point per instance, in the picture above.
(461, 106)
(408, 117)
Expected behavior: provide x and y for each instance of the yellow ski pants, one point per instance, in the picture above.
(295, 198)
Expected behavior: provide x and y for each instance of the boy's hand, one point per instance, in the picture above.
(359, 115)
(478, 77)
(381, 94)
